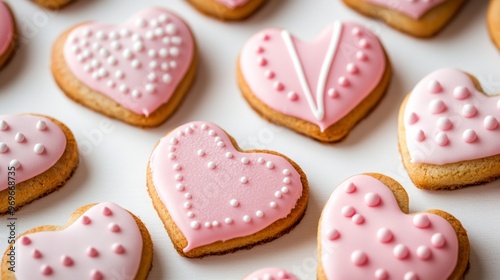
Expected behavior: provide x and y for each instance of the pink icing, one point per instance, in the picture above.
(457, 123)
(412, 8)
(215, 193)
(84, 250)
(139, 64)
(6, 27)
(271, 273)
(340, 68)
(29, 146)
(389, 244)
(233, 3)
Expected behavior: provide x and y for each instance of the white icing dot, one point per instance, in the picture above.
(490, 123)
(112, 60)
(164, 66)
(437, 106)
(171, 29)
(179, 177)
(469, 111)
(245, 160)
(284, 189)
(123, 88)
(40, 125)
(211, 164)
(38, 148)
(3, 147)
(211, 132)
(171, 148)
(163, 53)
(75, 49)
(174, 51)
(243, 180)
(277, 194)
(260, 160)
(153, 23)
(102, 72)
(444, 123)
(217, 139)
(174, 140)
(434, 86)
(461, 92)
(138, 46)
(361, 56)
(234, 202)
(19, 137)
(273, 204)
(215, 224)
(201, 152)
(381, 274)
(86, 32)
(173, 64)
(358, 257)
(176, 40)
(167, 79)
(190, 214)
(187, 205)
(100, 35)
(163, 18)
(228, 220)
(421, 221)
(140, 22)
(152, 77)
(348, 211)
(171, 156)
(363, 43)
(247, 219)
(208, 224)
(259, 214)
(4, 125)
(229, 155)
(153, 64)
(127, 53)
(286, 180)
(442, 139)
(469, 136)
(113, 35)
(372, 199)
(423, 252)
(411, 276)
(14, 163)
(136, 93)
(124, 32)
(188, 195)
(352, 68)
(384, 235)
(115, 45)
(269, 165)
(438, 240)
(165, 40)
(150, 88)
(401, 251)
(358, 219)
(95, 63)
(356, 31)
(195, 224)
(286, 172)
(136, 63)
(220, 144)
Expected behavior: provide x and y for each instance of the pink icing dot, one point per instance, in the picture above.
(469, 136)
(358, 219)
(421, 221)
(442, 139)
(412, 119)
(381, 274)
(334, 234)
(278, 86)
(423, 252)
(106, 211)
(114, 227)
(372, 199)
(364, 43)
(350, 188)
(343, 81)
(96, 275)
(359, 258)
(66, 260)
(118, 248)
(437, 106)
(434, 86)
(265, 37)
(25, 240)
(36, 254)
(401, 251)
(292, 95)
(461, 92)
(469, 111)
(348, 211)
(352, 68)
(259, 49)
(269, 74)
(420, 136)
(261, 61)
(490, 123)
(444, 124)
(411, 276)
(92, 252)
(46, 270)
(361, 56)
(438, 240)
(333, 93)
(384, 235)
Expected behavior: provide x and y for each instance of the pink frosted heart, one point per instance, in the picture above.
(139, 64)
(31, 144)
(413, 8)
(447, 120)
(365, 235)
(272, 273)
(6, 28)
(319, 81)
(104, 243)
(214, 192)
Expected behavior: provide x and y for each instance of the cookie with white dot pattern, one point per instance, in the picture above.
(270, 273)
(367, 232)
(228, 9)
(321, 88)
(100, 241)
(494, 21)
(214, 198)
(449, 131)
(419, 18)
(137, 72)
(7, 33)
(38, 154)
(52, 4)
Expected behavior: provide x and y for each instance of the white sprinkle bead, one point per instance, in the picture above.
(3, 147)
(444, 124)
(211, 164)
(19, 137)
(284, 189)
(177, 167)
(190, 214)
(195, 225)
(442, 139)
(228, 221)
(220, 144)
(423, 252)
(188, 195)
(215, 224)
(38, 148)
(411, 276)
(173, 141)
(469, 136)
(234, 202)
(401, 251)
(179, 177)
(259, 214)
(350, 188)
(40, 125)
(208, 224)
(286, 172)
(461, 93)
(229, 155)
(14, 163)
(167, 78)
(247, 219)
(277, 194)
(4, 125)
(358, 257)
(273, 204)
(211, 132)
(438, 240)
(179, 187)
(286, 180)
(260, 160)
(269, 165)
(434, 86)
(171, 29)
(490, 123)
(245, 160)
(244, 180)
(421, 221)
(384, 235)
(201, 152)
(187, 205)
(469, 111)
(348, 211)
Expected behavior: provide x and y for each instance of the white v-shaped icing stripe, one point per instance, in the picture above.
(318, 107)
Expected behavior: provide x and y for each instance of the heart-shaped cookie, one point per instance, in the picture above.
(214, 198)
(494, 21)
(137, 72)
(52, 4)
(38, 154)
(365, 232)
(320, 88)
(419, 18)
(270, 273)
(449, 131)
(228, 9)
(7, 31)
(100, 241)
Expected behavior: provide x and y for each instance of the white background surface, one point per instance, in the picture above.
(113, 168)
